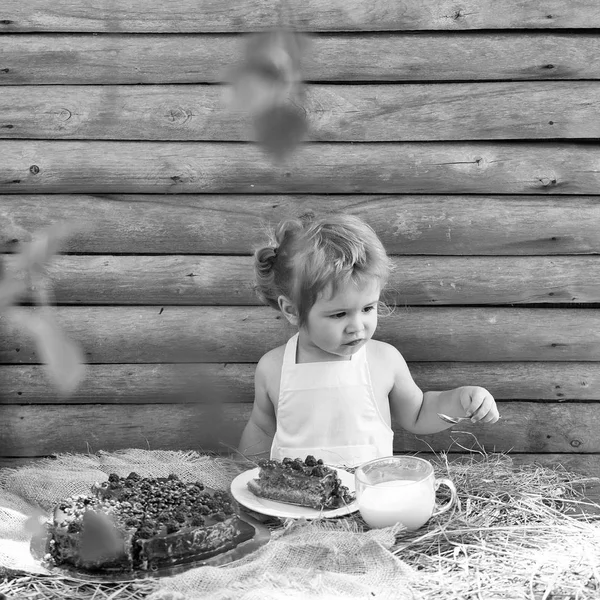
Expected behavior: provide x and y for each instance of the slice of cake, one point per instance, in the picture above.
(303, 482)
(132, 523)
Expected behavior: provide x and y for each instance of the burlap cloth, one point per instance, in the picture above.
(318, 559)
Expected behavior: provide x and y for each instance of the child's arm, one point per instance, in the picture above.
(416, 411)
(259, 431)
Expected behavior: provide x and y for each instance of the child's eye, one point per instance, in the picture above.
(369, 308)
(338, 315)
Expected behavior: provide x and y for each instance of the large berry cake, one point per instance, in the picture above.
(134, 523)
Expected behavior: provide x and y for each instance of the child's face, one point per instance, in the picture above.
(341, 324)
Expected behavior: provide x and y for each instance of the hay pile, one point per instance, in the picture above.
(44, 587)
(520, 532)
(523, 532)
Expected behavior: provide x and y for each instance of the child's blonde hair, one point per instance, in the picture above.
(307, 256)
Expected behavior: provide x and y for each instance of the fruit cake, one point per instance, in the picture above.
(134, 523)
(303, 482)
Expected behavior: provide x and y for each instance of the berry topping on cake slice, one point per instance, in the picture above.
(306, 482)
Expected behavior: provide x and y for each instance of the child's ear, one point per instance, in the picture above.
(288, 309)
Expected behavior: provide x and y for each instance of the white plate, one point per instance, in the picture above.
(240, 491)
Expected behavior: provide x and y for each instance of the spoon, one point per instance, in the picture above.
(452, 420)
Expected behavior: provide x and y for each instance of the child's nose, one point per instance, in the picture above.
(355, 324)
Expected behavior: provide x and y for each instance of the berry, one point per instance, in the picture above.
(74, 527)
(318, 471)
(172, 526)
(310, 461)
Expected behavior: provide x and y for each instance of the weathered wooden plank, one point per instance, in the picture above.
(204, 167)
(415, 280)
(25, 431)
(34, 430)
(121, 59)
(234, 382)
(244, 334)
(367, 113)
(311, 15)
(215, 224)
(524, 427)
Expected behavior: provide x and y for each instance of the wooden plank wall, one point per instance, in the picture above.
(466, 134)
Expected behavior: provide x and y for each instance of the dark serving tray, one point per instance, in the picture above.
(261, 536)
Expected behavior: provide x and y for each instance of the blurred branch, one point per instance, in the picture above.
(63, 358)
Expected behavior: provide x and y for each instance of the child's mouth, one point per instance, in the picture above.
(353, 343)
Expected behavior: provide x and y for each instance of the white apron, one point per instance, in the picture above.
(328, 409)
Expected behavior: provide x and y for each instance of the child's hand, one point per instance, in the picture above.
(479, 404)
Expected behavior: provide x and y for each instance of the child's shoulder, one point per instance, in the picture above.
(385, 363)
(272, 360)
(378, 350)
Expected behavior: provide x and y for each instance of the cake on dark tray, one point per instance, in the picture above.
(303, 482)
(134, 523)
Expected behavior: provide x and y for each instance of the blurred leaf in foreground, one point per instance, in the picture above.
(35, 256)
(280, 129)
(63, 358)
(269, 86)
(10, 291)
(270, 71)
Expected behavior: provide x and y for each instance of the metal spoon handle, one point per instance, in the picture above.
(452, 420)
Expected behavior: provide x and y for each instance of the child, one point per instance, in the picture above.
(332, 390)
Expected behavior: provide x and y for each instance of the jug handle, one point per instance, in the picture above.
(453, 496)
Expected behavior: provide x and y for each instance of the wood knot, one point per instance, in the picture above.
(576, 443)
(179, 115)
(34, 169)
(64, 114)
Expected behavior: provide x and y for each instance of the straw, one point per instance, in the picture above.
(53, 587)
(518, 532)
